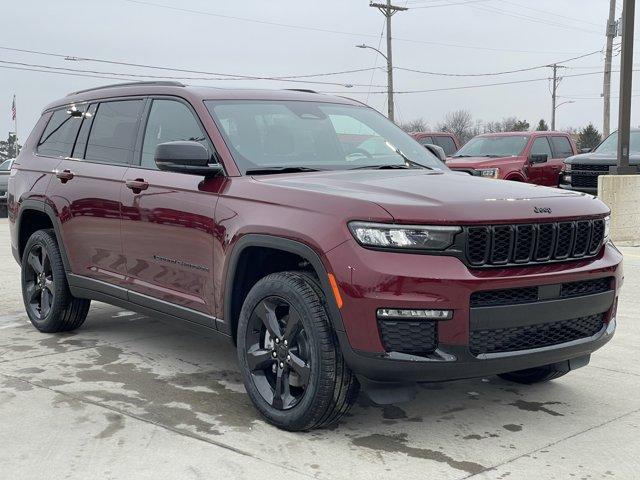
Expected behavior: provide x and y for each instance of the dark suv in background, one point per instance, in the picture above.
(331, 263)
(581, 172)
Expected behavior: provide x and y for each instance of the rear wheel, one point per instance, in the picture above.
(292, 367)
(45, 291)
(534, 375)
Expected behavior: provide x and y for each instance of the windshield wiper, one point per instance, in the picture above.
(391, 166)
(269, 170)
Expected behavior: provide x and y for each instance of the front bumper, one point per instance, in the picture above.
(590, 191)
(374, 279)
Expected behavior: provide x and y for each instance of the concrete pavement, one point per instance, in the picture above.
(129, 397)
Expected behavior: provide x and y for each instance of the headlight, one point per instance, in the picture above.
(489, 172)
(411, 237)
(607, 228)
(567, 168)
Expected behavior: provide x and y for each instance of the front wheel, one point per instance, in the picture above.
(291, 365)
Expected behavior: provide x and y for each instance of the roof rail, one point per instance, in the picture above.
(162, 83)
(304, 90)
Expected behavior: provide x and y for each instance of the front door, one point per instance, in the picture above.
(167, 227)
(539, 172)
(87, 187)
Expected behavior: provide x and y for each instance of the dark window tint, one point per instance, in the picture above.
(447, 144)
(58, 138)
(169, 121)
(561, 146)
(113, 133)
(541, 147)
(81, 142)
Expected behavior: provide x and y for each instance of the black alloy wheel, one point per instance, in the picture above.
(39, 286)
(278, 353)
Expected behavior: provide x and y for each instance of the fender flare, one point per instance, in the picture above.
(286, 245)
(42, 207)
(515, 177)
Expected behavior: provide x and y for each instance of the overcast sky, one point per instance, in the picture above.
(301, 37)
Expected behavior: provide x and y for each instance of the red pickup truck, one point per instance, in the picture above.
(448, 141)
(532, 157)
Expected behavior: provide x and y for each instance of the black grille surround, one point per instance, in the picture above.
(405, 336)
(529, 337)
(508, 245)
(586, 176)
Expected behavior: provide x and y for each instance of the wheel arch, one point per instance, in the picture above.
(35, 215)
(233, 296)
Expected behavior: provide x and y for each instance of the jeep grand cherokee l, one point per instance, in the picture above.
(532, 157)
(329, 266)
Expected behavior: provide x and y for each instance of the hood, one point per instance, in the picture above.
(593, 158)
(424, 196)
(478, 162)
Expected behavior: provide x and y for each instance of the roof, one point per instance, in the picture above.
(195, 93)
(522, 134)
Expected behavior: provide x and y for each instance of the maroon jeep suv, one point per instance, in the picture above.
(331, 266)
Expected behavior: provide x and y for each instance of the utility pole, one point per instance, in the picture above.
(556, 82)
(606, 87)
(626, 80)
(388, 11)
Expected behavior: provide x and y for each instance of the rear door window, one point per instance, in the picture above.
(426, 141)
(60, 134)
(114, 131)
(447, 144)
(561, 147)
(541, 147)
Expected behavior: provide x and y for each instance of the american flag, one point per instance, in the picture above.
(13, 109)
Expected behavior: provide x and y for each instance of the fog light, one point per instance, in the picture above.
(566, 178)
(415, 314)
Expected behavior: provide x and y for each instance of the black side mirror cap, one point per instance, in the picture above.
(538, 158)
(437, 150)
(186, 157)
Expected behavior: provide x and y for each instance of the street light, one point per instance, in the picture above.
(389, 80)
(556, 107)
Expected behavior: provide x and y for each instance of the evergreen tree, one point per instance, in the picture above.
(542, 126)
(589, 137)
(9, 148)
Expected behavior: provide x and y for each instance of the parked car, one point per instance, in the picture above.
(447, 141)
(531, 157)
(329, 267)
(5, 169)
(581, 172)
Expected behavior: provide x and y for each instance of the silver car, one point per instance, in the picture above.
(5, 168)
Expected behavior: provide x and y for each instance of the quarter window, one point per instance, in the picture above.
(562, 147)
(60, 134)
(169, 121)
(113, 133)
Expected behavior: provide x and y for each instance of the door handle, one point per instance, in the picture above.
(64, 175)
(137, 185)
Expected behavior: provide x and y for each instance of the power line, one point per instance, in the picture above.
(338, 32)
(547, 12)
(450, 4)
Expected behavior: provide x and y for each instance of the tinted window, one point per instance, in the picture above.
(561, 146)
(81, 142)
(541, 147)
(114, 130)
(60, 134)
(447, 144)
(169, 121)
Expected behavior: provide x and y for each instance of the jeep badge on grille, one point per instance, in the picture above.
(541, 209)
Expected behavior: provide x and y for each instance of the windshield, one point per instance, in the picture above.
(6, 165)
(610, 145)
(264, 135)
(501, 146)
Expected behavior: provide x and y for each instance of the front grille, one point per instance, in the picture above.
(515, 296)
(586, 176)
(534, 336)
(414, 338)
(543, 242)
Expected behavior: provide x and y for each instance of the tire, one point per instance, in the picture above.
(317, 388)
(534, 375)
(45, 291)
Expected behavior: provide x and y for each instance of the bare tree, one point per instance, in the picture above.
(460, 123)
(417, 125)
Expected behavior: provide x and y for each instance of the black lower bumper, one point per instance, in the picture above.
(453, 362)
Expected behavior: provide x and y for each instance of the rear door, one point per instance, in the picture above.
(539, 172)
(562, 149)
(167, 227)
(87, 189)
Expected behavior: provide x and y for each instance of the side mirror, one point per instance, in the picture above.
(185, 157)
(538, 158)
(585, 150)
(437, 150)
